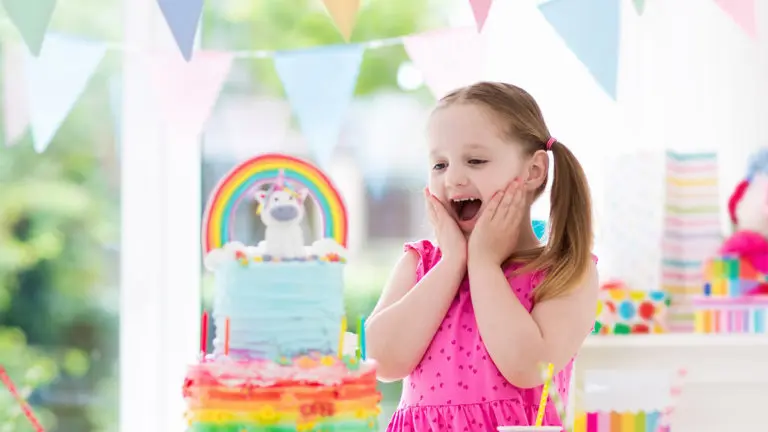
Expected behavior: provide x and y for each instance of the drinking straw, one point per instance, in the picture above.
(544, 394)
(25, 408)
(341, 335)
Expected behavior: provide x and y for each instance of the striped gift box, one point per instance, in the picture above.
(612, 421)
(731, 314)
(691, 231)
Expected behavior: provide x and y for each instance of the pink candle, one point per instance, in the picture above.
(204, 335)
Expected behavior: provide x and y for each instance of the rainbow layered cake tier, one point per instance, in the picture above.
(278, 312)
(309, 393)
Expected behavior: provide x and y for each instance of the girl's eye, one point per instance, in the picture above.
(438, 166)
(476, 161)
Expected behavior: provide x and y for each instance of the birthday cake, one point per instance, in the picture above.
(277, 363)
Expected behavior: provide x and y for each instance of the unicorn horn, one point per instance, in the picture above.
(280, 182)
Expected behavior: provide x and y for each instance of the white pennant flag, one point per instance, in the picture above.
(55, 81)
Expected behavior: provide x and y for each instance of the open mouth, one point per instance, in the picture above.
(466, 208)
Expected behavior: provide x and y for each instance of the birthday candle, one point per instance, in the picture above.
(204, 335)
(226, 336)
(362, 338)
(341, 335)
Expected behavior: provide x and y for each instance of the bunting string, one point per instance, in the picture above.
(262, 54)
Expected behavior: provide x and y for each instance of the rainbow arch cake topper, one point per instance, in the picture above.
(239, 183)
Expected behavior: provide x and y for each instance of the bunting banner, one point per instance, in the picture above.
(183, 17)
(31, 18)
(344, 15)
(320, 84)
(448, 59)
(743, 13)
(55, 81)
(480, 9)
(639, 6)
(186, 91)
(591, 33)
(15, 106)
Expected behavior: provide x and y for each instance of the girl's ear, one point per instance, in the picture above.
(538, 167)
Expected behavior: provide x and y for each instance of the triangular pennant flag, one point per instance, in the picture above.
(183, 17)
(591, 33)
(480, 9)
(448, 59)
(31, 18)
(55, 81)
(319, 84)
(376, 185)
(639, 6)
(187, 91)
(743, 13)
(15, 100)
(344, 14)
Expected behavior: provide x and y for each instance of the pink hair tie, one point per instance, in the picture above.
(551, 141)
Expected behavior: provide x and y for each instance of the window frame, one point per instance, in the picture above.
(160, 264)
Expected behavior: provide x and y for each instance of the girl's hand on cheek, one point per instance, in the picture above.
(495, 235)
(450, 239)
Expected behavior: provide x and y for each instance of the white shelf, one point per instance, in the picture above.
(676, 340)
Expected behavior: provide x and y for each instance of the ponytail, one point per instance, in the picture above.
(568, 252)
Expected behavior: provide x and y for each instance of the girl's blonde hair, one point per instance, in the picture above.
(568, 253)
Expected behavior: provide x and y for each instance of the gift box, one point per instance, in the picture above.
(621, 310)
(628, 400)
(747, 314)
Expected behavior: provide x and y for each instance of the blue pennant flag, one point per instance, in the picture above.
(183, 17)
(592, 33)
(319, 84)
(376, 185)
(539, 228)
(55, 81)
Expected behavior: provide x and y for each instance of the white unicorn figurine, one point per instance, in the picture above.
(282, 211)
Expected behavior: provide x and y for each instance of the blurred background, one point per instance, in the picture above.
(60, 226)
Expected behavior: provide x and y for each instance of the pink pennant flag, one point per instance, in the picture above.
(187, 91)
(15, 106)
(448, 59)
(480, 9)
(743, 13)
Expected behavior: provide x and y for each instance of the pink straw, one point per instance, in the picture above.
(20, 400)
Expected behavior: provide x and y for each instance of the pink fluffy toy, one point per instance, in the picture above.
(748, 209)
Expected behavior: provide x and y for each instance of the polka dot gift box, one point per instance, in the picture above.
(621, 310)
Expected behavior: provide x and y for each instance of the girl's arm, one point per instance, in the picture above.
(406, 317)
(518, 341)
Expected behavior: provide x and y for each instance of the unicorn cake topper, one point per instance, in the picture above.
(282, 210)
(283, 185)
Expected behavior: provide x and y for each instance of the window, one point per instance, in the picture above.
(60, 248)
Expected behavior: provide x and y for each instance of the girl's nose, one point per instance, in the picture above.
(456, 176)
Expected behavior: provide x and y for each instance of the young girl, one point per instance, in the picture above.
(466, 323)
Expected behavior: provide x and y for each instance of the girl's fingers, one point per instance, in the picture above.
(493, 205)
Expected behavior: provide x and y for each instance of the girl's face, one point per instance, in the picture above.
(469, 161)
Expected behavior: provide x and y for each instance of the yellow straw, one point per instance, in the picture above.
(341, 335)
(544, 395)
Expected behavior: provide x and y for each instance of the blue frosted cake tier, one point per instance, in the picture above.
(279, 308)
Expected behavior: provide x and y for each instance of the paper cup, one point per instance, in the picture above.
(529, 428)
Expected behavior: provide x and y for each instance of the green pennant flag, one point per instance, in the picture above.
(31, 18)
(639, 6)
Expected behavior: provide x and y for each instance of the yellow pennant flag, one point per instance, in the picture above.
(344, 14)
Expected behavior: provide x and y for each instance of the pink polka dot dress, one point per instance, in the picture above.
(456, 386)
